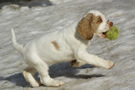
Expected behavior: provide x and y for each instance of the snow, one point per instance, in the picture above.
(30, 23)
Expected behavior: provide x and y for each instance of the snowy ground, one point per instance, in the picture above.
(34, 22)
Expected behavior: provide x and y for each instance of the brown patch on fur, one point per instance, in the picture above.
(88, 25)
(55, 45)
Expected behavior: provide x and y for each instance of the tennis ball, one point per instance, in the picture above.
(113, 33)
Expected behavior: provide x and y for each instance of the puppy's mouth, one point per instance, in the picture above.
(104, 34)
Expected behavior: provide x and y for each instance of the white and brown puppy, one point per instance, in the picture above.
(67, 45)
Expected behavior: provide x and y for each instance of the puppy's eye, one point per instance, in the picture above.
(99, 21)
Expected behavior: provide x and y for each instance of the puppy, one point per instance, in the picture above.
(67, 45)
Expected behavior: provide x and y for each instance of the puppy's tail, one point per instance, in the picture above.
(16, 45)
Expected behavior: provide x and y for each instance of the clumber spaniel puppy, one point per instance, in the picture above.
(68, 45)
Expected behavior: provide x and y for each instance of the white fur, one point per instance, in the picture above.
(40, 53)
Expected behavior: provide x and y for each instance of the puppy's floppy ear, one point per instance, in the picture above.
(84, 27)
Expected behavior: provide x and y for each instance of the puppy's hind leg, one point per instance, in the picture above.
(28, 75)
(45, 79)
(42, 68)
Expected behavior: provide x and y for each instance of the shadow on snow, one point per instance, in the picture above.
(58, 70)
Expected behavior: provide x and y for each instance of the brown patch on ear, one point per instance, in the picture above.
(84, 27)
(55, 45)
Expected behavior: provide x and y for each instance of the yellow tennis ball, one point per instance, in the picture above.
(113, 33)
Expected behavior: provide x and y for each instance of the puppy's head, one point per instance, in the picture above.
(93, 22)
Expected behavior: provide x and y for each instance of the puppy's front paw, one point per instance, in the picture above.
(110, 64)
